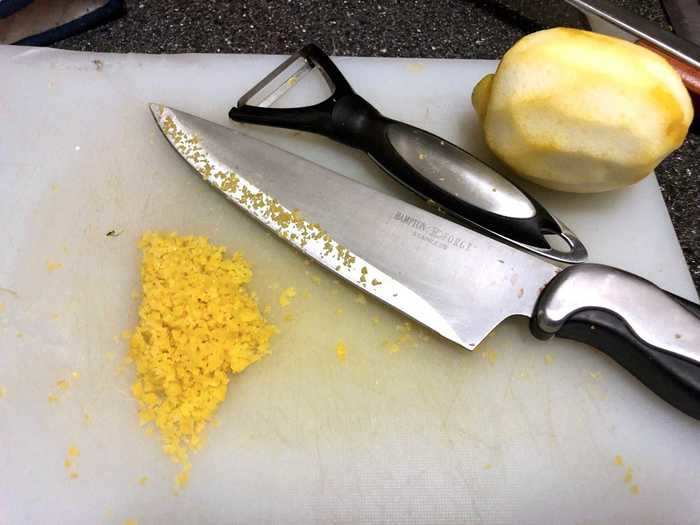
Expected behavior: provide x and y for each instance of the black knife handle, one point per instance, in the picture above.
(654, 334)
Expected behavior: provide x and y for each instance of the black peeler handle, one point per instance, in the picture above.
(439, 171)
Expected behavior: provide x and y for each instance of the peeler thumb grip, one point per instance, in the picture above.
(456, 181)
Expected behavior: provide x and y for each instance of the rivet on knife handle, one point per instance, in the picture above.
(458, 183)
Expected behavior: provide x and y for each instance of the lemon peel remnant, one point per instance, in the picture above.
(197, 324)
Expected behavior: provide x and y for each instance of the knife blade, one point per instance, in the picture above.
(685, 18)
(453, 280)
(642, 28)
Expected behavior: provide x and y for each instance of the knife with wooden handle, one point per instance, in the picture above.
(683, 55)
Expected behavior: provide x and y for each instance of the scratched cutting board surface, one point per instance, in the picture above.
(517, 431)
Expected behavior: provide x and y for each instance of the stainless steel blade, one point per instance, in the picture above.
(641, 28)
(685, 18)
(453, 280)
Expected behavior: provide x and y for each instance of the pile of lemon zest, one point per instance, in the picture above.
(287, 295)
(197, 325)
(341, 351)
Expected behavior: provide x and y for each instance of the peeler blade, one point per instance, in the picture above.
(274, 86)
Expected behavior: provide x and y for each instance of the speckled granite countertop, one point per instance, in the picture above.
(406, 28)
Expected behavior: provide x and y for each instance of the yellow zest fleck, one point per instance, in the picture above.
(628, 475)
(197, 324)
(487, 466)
(406, 338)
(62, 384)
(490, 355)
(75, 375)
(289, 317)
(618, 460)
(338, 312)
(3, 392)
(341, 351)
(131, 522)
(315, 279)
(52, 266)
(73, 451)
(2, 308)
(287, 295)
(548, 359)
(422, 156)
(67, 463)
(53, 398)
(143, 480)
(634, 489)
(73, 475)
(375, 320)
(55, 316)
(392, 347)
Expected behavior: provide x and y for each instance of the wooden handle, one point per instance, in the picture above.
(689, 74)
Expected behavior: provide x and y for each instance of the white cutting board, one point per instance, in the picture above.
(520, 431)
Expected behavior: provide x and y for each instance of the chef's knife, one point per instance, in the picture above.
(451, 279)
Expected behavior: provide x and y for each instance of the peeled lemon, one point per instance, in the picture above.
(582, 112)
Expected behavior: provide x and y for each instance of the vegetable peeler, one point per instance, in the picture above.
(459, 184)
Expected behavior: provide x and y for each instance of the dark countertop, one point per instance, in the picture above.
(406, 28)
